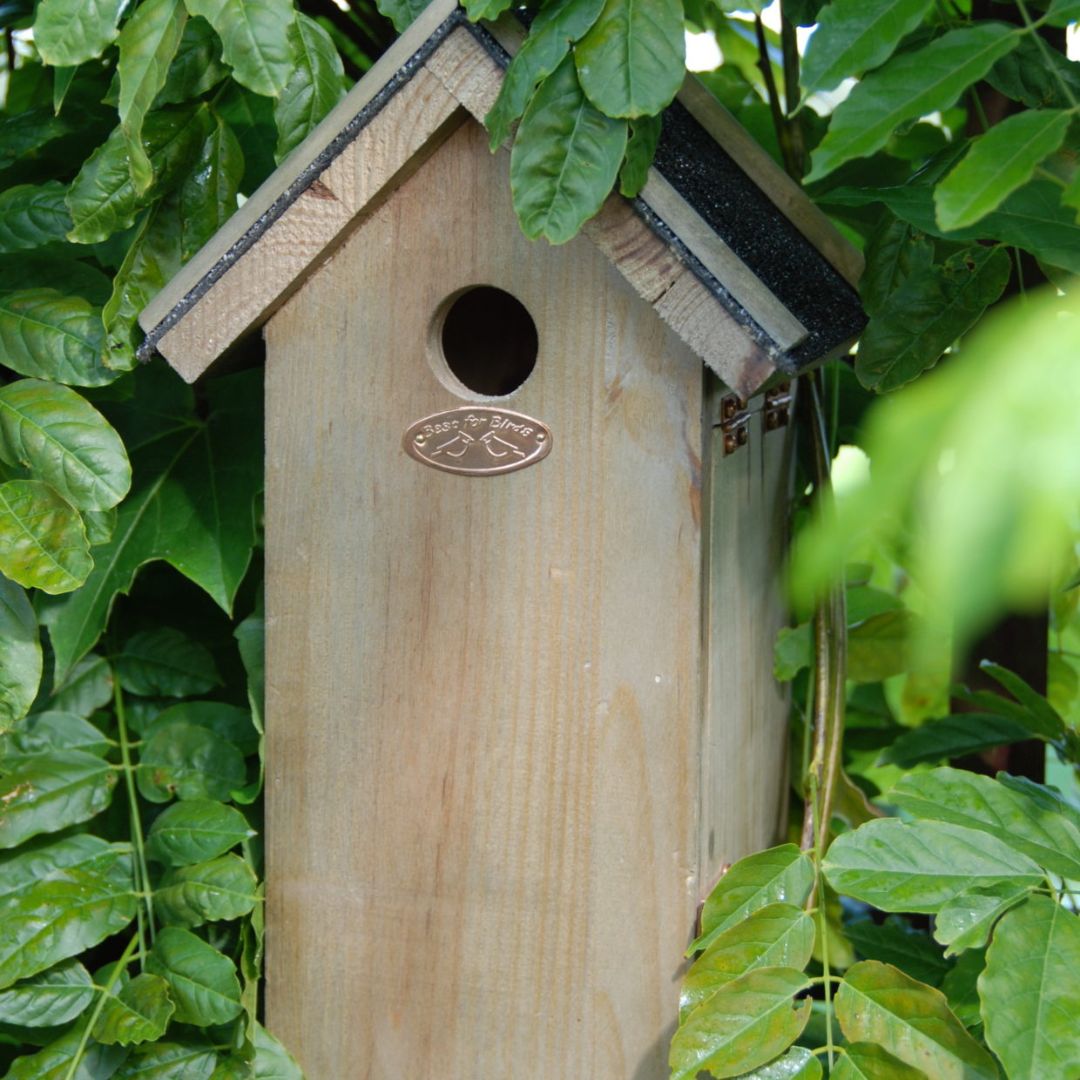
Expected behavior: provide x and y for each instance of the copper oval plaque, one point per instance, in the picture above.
(477, 441)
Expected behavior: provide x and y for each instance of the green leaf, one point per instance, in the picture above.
(49, 792)
(20, 654)
(20, 874)
(868, 1061)
(879, 647)
(255, 40)
(138, 1012)
(65, 441)
(196, 831)
(1036, 79)
(88, 686)
(188, 762)
(33, 215)
(272, 1060)
(103, 199)
(918, 867)
(164, 662)
(70, 32)
(55, 1060)
(251, 641)
(853, 36)
(152, 259)
(952, 737)
(1037, 823)
(553, 30)
(203, 980)
(896, 942)
(47, 335)
(42, 538)
(779, 875)
(1043, 718)
(959, 986)
(222, 888)
(1063, 12)
(793, 651)
(631, 60)
(892, 255)
(100, 525)
(565, 159)
(401, 12)
(197, 66)
(187, 1060)
(54, 997)
(65, 912)
(485, 9)
(315, 86)
(66, 275)
(147, 44)
(779, 935)
(744, 1025)
(48, 732)
(1029, 993)
(998, 162)
(909, 86)
(191, 503)
(1031, 218)
(965, 922)
(797, 1064)
(231, 722)
(208, 196)
(879, 1004)
(640, 148)
(930, 310)
(23, 135)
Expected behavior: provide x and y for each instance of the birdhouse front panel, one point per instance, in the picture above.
(523, 547)
(484, 691)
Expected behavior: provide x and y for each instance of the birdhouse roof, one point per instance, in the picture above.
(727, 249)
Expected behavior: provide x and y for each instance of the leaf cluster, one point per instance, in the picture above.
(130, 776)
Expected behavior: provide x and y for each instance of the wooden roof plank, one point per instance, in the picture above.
(278, 183)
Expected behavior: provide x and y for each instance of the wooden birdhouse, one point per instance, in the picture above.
(523, 534)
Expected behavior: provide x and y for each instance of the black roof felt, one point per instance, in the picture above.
(697, 167)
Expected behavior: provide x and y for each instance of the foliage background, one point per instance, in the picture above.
(922, 923)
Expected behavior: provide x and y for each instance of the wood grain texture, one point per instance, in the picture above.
(690, 309)
(394, 144)
(484, 695)
(384, 68)
(744, 795)
(645, 260)
(782, 191)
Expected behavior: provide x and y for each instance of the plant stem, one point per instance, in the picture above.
(1032, 28)
(145, 908)
(118, 967)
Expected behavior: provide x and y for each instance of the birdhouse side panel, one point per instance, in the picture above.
(484, 691)
(744, 742)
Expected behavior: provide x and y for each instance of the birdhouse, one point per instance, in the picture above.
(524, 522)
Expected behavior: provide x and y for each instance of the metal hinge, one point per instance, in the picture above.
(734, 423)
(735, 416)
(777, 406)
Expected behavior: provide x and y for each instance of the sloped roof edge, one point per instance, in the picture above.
(759, 248)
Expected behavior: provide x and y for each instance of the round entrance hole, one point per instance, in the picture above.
(488, 341)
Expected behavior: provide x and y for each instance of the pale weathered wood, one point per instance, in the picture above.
(740, 281)
(744, 793)
(690, 309)
(473, 77)
(394, 144)
(276, 184)
(483, 702)
(782, 191)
